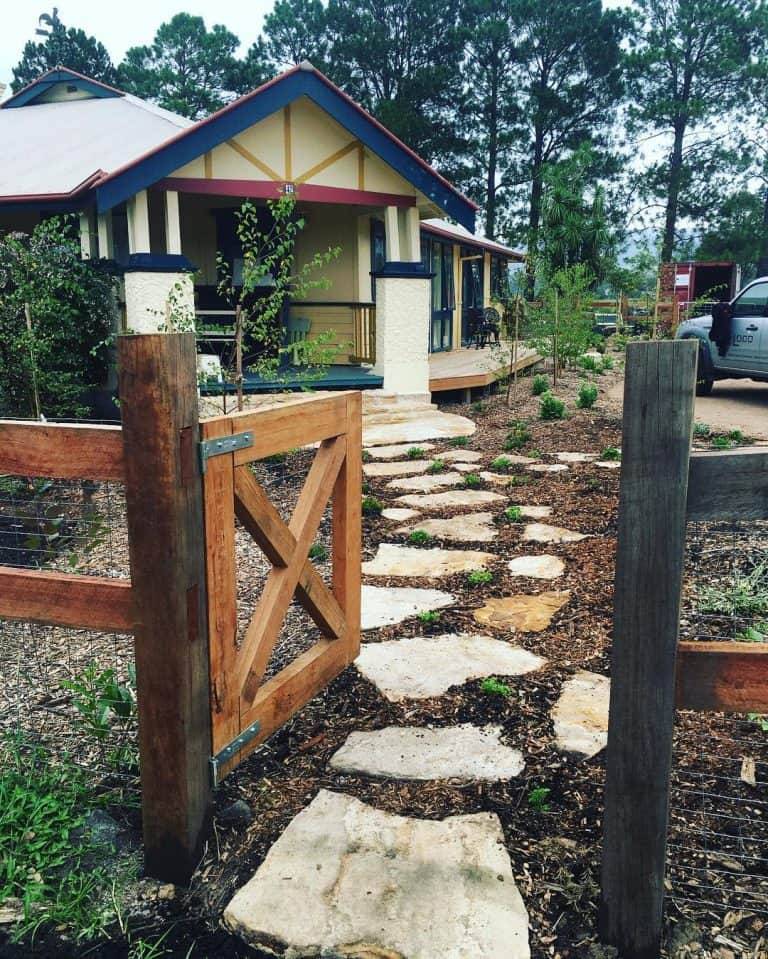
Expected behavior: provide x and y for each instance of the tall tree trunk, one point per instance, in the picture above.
(762, 262)
(534, 211)
(673, 192)
(493, 152)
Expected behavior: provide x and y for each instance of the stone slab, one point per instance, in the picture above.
(396, 468)
(460, 456)
(418, 667)
(451, 499)
(394, 560)
(414, 430)
(608, 464)
(426, 484)
(544, 533)
(576, 457)
(496, 479)
(345, 879)
(522, 613)
(517, 459)
(580, 715)
(424, 753)
(466, 528)
(547, 468)
(399, 513)
(537, 567)
(395, 452)
(534, 512)
(387, 605)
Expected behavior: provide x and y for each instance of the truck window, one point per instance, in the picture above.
(753, 301)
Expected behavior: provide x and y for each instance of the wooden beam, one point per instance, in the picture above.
(328, 161)
(246, 154)
(657, 426)
(61, 452)
(728, 485)
(64, 599)
(158, 403)
(287, 143)
(347, 534)
(722, 677)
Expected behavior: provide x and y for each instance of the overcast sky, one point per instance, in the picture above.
(122, 25)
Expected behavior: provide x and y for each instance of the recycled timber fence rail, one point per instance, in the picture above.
(663, 487)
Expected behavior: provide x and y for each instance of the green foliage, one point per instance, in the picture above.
(479, 407)
(520, 480)
(537, 799)
(56, 317)
(428, 616)
(736, 230)
(550, 407)
(701, 429)
(611, 453)
(746, 594)
(518, 436)
(458, 441)
(436, 466)
(319, 552)
(366, 456)
(66, 47)
(372, 506)
(726, 441)
(513, 514)
(540, 384)
(494, 687)
(472, 480)
(561, 321)
(419, 537)
(501, 463)
(415, 453)
(107, 713)
(479, 577)
(721, 443)
(757, 633)
(587, 396)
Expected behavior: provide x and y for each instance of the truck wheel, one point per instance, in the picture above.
(704, 387)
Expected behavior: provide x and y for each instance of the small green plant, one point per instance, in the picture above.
(759, 720)
(366, 456)
(590, 364)
(372, 506)
(472, 480)
(611, 453)
(429, 617)
(534, 454)
(735, 436)
(701, 429)
(479, 577)
(513, 514)
(479, 407)
(318, 551)
(275, 458)
(518, 480)
(539, 385)
(587, 396)
(518, 436)
(494, 687)
(501, 463)
(537, 799)
(550, 407)
(721, 443)
(607, 362)
(415, 453)
(754, 634)
(745, 595)
(365, 488)
(458, 441)
(419, 537)
(436, 466)
(107, 708)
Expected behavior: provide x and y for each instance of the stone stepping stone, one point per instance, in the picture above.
(425, 484)
(467, 528)
(460, 456)
(608, 464)
(516, 459)
(395, 452)
(535, 512)
(399, 513)
(419, 667)
(576, 457)
(537, 567)
(523, 613)
(394, 560)
(544, 533)
(580, 715)
(426, 425)
(347, 879)
(415, 752)
(396, 468)
(452, 499)
(548, 468)
(387, 605)
(464, 467)
(497, 479)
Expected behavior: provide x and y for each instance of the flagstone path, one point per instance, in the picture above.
(348, 879)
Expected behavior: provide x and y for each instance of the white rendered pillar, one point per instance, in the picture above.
(104, 229)
(392, 233)
(172, 223)
(87, 246)
(402, 333)
(138, 223)
(413, 232)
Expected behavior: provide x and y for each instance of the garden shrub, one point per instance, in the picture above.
(540, 384)
(587, 396)
(551, 408)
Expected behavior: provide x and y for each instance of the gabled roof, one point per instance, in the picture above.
(42, 84)
(463, 236)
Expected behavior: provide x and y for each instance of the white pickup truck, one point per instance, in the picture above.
(747, 353)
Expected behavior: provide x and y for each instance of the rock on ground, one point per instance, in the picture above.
(387, 605)
(576, 457)
(608, 464)
(414, 752)
(395, 452)
(452, 499)
(580, 715)
(527, 614)
(429, 425)
(346, 879)
(548, 468)
(394, 560)
(537, 567)
(425, 484)
(396, 468)
(544, 533)
(467, 528)
(535, 512)
(399, 513)
(461, 456)
(417, 667)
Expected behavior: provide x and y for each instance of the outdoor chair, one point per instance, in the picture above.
(488, 327)
(296, 331)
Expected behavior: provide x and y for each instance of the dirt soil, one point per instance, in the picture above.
(555, 849)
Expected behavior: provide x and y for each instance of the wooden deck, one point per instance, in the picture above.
(467, 368)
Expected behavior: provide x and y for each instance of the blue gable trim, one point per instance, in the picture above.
(35, 90)
(228, 123)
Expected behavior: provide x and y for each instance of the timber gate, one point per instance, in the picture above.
(246, 707)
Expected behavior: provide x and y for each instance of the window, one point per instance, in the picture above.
(499, 278)
(753, 301)
(441, 265)
(378, 252)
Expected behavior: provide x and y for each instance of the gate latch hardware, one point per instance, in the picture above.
(225, 754)
(223, 444)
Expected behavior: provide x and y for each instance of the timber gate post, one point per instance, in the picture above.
(657, 428)
(159, 408)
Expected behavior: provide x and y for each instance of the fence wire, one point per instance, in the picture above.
(717, 868)
(69, 693)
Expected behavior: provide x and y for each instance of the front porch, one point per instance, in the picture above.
(469, 368)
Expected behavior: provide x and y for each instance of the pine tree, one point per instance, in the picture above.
(65, 47)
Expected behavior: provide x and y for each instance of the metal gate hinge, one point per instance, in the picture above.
(225, 754)
(223, 444)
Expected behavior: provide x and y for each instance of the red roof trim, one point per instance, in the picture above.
(86, 184)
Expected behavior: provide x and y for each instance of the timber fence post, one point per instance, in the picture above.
(657, 427)
(163, 491)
